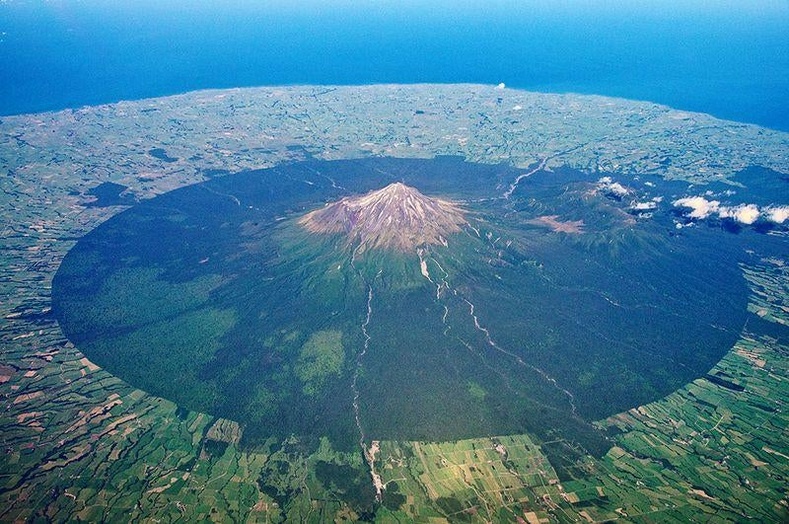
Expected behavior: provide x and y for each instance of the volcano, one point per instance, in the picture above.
(360, 299)
(396, 217)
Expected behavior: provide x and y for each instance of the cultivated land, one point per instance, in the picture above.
(79, 443)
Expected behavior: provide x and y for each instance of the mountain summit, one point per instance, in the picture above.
(395, 217)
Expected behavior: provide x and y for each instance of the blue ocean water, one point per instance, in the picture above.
(730, 59)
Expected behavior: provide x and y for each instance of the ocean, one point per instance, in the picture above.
(713, 56)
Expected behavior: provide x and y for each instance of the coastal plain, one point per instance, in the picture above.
(81, 444)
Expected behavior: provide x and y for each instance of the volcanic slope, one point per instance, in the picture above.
(428, 381)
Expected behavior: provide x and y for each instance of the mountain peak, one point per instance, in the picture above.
(394, 217)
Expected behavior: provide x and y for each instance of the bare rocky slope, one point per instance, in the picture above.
(396, 217)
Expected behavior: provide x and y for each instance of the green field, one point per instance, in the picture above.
(81, 442)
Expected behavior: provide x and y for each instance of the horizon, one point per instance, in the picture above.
(716, 57)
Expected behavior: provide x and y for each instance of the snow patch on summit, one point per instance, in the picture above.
(396, 217)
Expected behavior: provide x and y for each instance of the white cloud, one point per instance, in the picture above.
(608, 185)
(779, 214)
(744, 214)
(747, 214)
(702, 208)
(643, 206)
(617, 189)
